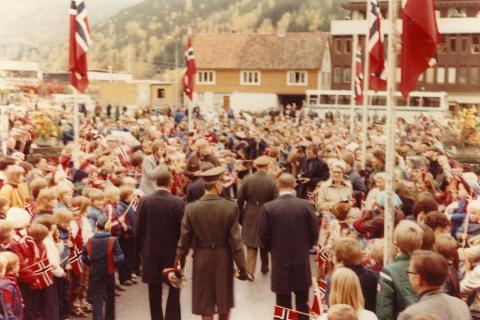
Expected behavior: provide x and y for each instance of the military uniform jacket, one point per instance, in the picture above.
(256, 190)
(211, 225)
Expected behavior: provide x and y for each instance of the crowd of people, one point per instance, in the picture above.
(141, 190)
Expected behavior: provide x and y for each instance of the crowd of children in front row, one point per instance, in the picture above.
(49, 245)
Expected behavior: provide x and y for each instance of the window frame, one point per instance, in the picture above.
(297, 84)
(250, 73)
(202, 82)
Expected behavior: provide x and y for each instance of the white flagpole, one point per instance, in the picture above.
(354, 77)
(366, 85)
(76, 131)
(390, 131)
(189, 102)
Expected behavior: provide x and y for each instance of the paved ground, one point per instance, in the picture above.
(253, 300)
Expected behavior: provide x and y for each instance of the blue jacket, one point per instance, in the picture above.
(99, 255)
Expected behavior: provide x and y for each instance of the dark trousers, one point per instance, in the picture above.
(63, 292)
(128, 267)
(49, 302)
(100, 300)
(301, 299)
(173, 311)
(30, 300)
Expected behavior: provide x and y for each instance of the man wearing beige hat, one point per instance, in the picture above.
(255, 191)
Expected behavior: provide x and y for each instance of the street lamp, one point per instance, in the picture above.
(175, 82)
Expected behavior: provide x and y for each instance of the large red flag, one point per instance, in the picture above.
(191, 69)
(376, 52)
(419, 41)
(79, 43)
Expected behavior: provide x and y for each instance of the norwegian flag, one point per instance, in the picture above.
(316, 307)
(322, 257)
(322, 289)
(284, 314)
(419, 42)
(175, 269)
(80, 41)
(43, 271)
(75, 259)
(135, 202)
(376, 52)
(123, 154)
(358, 90)
(191, 69)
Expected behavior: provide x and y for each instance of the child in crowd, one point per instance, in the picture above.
(81, 231)
(43, 294)
(6, 233)
(64, 193)
(97, 198)
(45, 204)
(112, 198)
(63, 218)
(11, 294)
(125, 215)
(104, 254)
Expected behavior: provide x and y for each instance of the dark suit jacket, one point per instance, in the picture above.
(288, 229)
(159, 217)
(317, 170)
(195, 190)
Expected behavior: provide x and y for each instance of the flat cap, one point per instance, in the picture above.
(262, 161)
(212, 174)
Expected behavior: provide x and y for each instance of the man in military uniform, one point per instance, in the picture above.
(255, 191)
(211, 226)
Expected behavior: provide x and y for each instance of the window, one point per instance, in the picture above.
(429, 75)
(464, 45)
(475, 44)
(160, 93)
(474, 79)
(452, 75)
(250, 78)
(297, 78)
(347, 75)
(206, 77)
(453, 45)
(442, 48)
(348, 46)
(462, 75)
(441, 75)
(337, 75)
(338, 46)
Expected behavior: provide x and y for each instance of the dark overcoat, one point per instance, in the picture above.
(211, 226)
(256, 190)
(159, 217)
(288, 229)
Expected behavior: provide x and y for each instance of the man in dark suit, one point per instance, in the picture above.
(159, 218)
(288, 229)
(313, 169)
(255, 191)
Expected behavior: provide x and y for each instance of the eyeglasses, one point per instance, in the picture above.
(412, 272)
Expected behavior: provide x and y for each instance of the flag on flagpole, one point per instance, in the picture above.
(80, 41)
(358, 88)
(419, 42)
(191, 69)
(376, 52)
(282, 313)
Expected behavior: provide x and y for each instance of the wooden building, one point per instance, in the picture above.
(457, 71)
(255, 72)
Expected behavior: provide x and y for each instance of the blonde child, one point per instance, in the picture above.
(11, 294)
(97, 198)
(64, 193)
(46, 202)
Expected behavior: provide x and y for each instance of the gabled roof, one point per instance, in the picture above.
(303, 50)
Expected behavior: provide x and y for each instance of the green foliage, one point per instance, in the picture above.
(146, 33)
